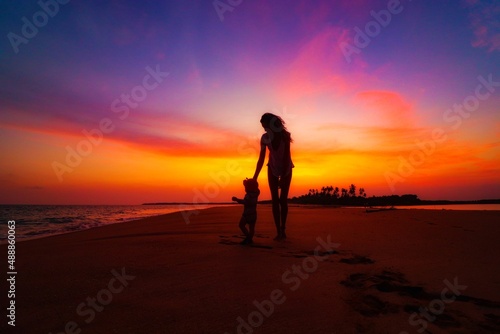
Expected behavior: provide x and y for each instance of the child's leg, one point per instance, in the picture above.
(243, 226)
(251, 233)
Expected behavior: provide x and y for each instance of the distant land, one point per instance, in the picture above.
(392, 200)
(352, 196)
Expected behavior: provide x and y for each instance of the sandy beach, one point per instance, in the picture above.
(340, 271)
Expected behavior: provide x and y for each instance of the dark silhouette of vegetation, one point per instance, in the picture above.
(330, 195)
(351, 196)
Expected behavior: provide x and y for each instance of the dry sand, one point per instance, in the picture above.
(339, 271)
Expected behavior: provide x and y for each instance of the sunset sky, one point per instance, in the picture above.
(171, 93)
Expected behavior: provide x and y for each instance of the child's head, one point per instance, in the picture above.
(250, 185)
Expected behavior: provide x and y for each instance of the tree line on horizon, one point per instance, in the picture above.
(352, 195)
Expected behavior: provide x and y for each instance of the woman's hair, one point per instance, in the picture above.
(277, 125)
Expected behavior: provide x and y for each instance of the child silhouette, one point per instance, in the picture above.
(249, 216)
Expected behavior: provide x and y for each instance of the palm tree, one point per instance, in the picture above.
(352, 190)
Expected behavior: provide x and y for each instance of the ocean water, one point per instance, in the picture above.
(34, 221)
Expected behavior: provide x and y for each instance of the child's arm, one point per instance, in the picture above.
(237, 200)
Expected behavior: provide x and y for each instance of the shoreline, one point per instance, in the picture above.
(367, 209)
(127, 220)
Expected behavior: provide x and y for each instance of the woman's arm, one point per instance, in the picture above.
(260, 162)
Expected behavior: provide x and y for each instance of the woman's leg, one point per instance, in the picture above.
(273, 187)
(285, 188)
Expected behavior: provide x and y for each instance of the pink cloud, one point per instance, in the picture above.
(390, 107)
(484, 24)
(317, 68)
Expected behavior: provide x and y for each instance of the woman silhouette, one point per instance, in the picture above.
(279, 172)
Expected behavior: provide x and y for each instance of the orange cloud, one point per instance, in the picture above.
(159, 134)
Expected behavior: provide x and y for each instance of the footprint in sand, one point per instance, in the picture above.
(304, 254)
(369, 289)
(372, 306)
(224, 240)
(357, 259)
(297, 255)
